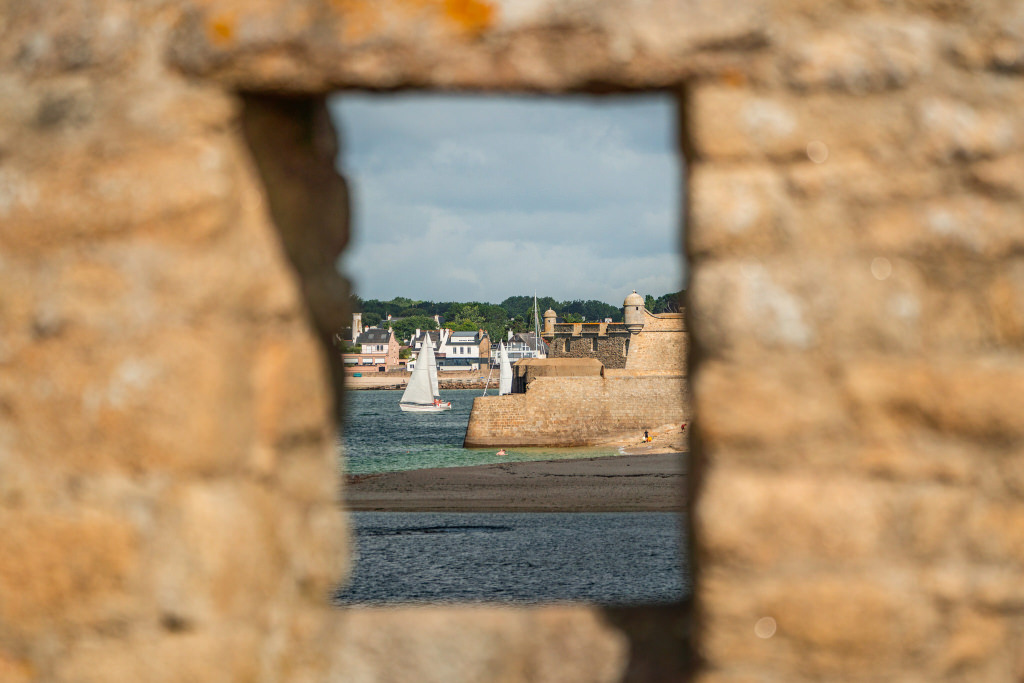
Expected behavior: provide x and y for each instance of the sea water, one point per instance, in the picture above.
(608, 558)
(414, 557)
(379, 437)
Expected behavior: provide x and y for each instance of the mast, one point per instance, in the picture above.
(536, 326)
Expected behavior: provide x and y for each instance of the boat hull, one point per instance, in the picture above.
(416, 408)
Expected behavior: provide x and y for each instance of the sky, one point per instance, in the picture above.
(478, 198)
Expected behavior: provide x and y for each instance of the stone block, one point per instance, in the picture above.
(137, 190)
(476, 44)
(857, 180)
(730, 123)
(219, 545)
(827, 626)
(93, 407)
(736, 209)
(744, 407)
(229, 653)
(974, 398)
(1004, 296)
(15, 669)
(950, 129)
(739, 303)
(996, 532)
(42, 587)
(848, 626)
(920, 457)
(765, 521)
(927, 521)
(861, 56)
(964, 225)
(747, 306)
(289, 381)
(976, 647)
(1001, 177)
(448, 644)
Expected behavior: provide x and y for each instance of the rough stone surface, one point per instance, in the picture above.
(855, 311)
(591, 404)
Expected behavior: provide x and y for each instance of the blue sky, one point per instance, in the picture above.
(460, 198)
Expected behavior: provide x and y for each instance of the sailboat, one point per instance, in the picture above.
(421, 394)
(505, 376)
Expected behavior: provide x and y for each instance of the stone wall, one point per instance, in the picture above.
(577, 411)
(169, 221)
(610, 350)
(661, 346)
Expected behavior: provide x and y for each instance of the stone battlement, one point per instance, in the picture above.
(577, 411)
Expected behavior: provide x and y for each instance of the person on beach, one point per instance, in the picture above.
(647, 436)
(683, 429)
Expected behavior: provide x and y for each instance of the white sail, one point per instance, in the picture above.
(431, 366)
(419, 389)
(505, 378)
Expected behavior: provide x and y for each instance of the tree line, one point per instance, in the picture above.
(515, 313)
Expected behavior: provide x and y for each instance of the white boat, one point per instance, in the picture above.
(421, 394)
(505, 378)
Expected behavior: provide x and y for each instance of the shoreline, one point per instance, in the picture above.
(653, 481)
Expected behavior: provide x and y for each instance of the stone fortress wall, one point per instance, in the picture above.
(576, 411)
(170, 216)
(646, 390)
(610, 350)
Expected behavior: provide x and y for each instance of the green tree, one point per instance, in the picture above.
(371, 319)
(406, 327)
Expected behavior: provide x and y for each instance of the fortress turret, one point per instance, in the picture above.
(634, 312)
(357, 326)
(549, 321)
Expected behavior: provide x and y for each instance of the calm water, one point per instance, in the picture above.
(609, 558)
(381, 438)
(403, 557)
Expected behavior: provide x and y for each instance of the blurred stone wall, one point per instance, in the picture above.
(169, 219)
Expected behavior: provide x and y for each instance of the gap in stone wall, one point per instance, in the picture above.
(508, 196)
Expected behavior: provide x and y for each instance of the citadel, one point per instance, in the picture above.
(600, 381)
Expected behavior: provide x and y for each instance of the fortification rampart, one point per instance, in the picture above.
(661, 346)
(577, 411)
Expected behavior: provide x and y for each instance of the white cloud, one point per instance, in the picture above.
(459, 198)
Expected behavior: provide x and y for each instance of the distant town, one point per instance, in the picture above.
(385, 335)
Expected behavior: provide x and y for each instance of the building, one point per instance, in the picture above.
(600, 381)
(521, 345)
(438, 339)
(454, 350)
(377, 347)
(466, 350)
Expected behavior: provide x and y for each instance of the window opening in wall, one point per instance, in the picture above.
(472, 217)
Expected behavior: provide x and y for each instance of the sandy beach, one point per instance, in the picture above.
(650, 481)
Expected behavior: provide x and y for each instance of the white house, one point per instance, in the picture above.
(438, 339)
(465, 349)
(454, 350)
(521, 345)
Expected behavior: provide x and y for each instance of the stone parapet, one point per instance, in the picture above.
(577, 411)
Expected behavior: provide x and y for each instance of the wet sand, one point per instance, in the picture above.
(650, 481)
